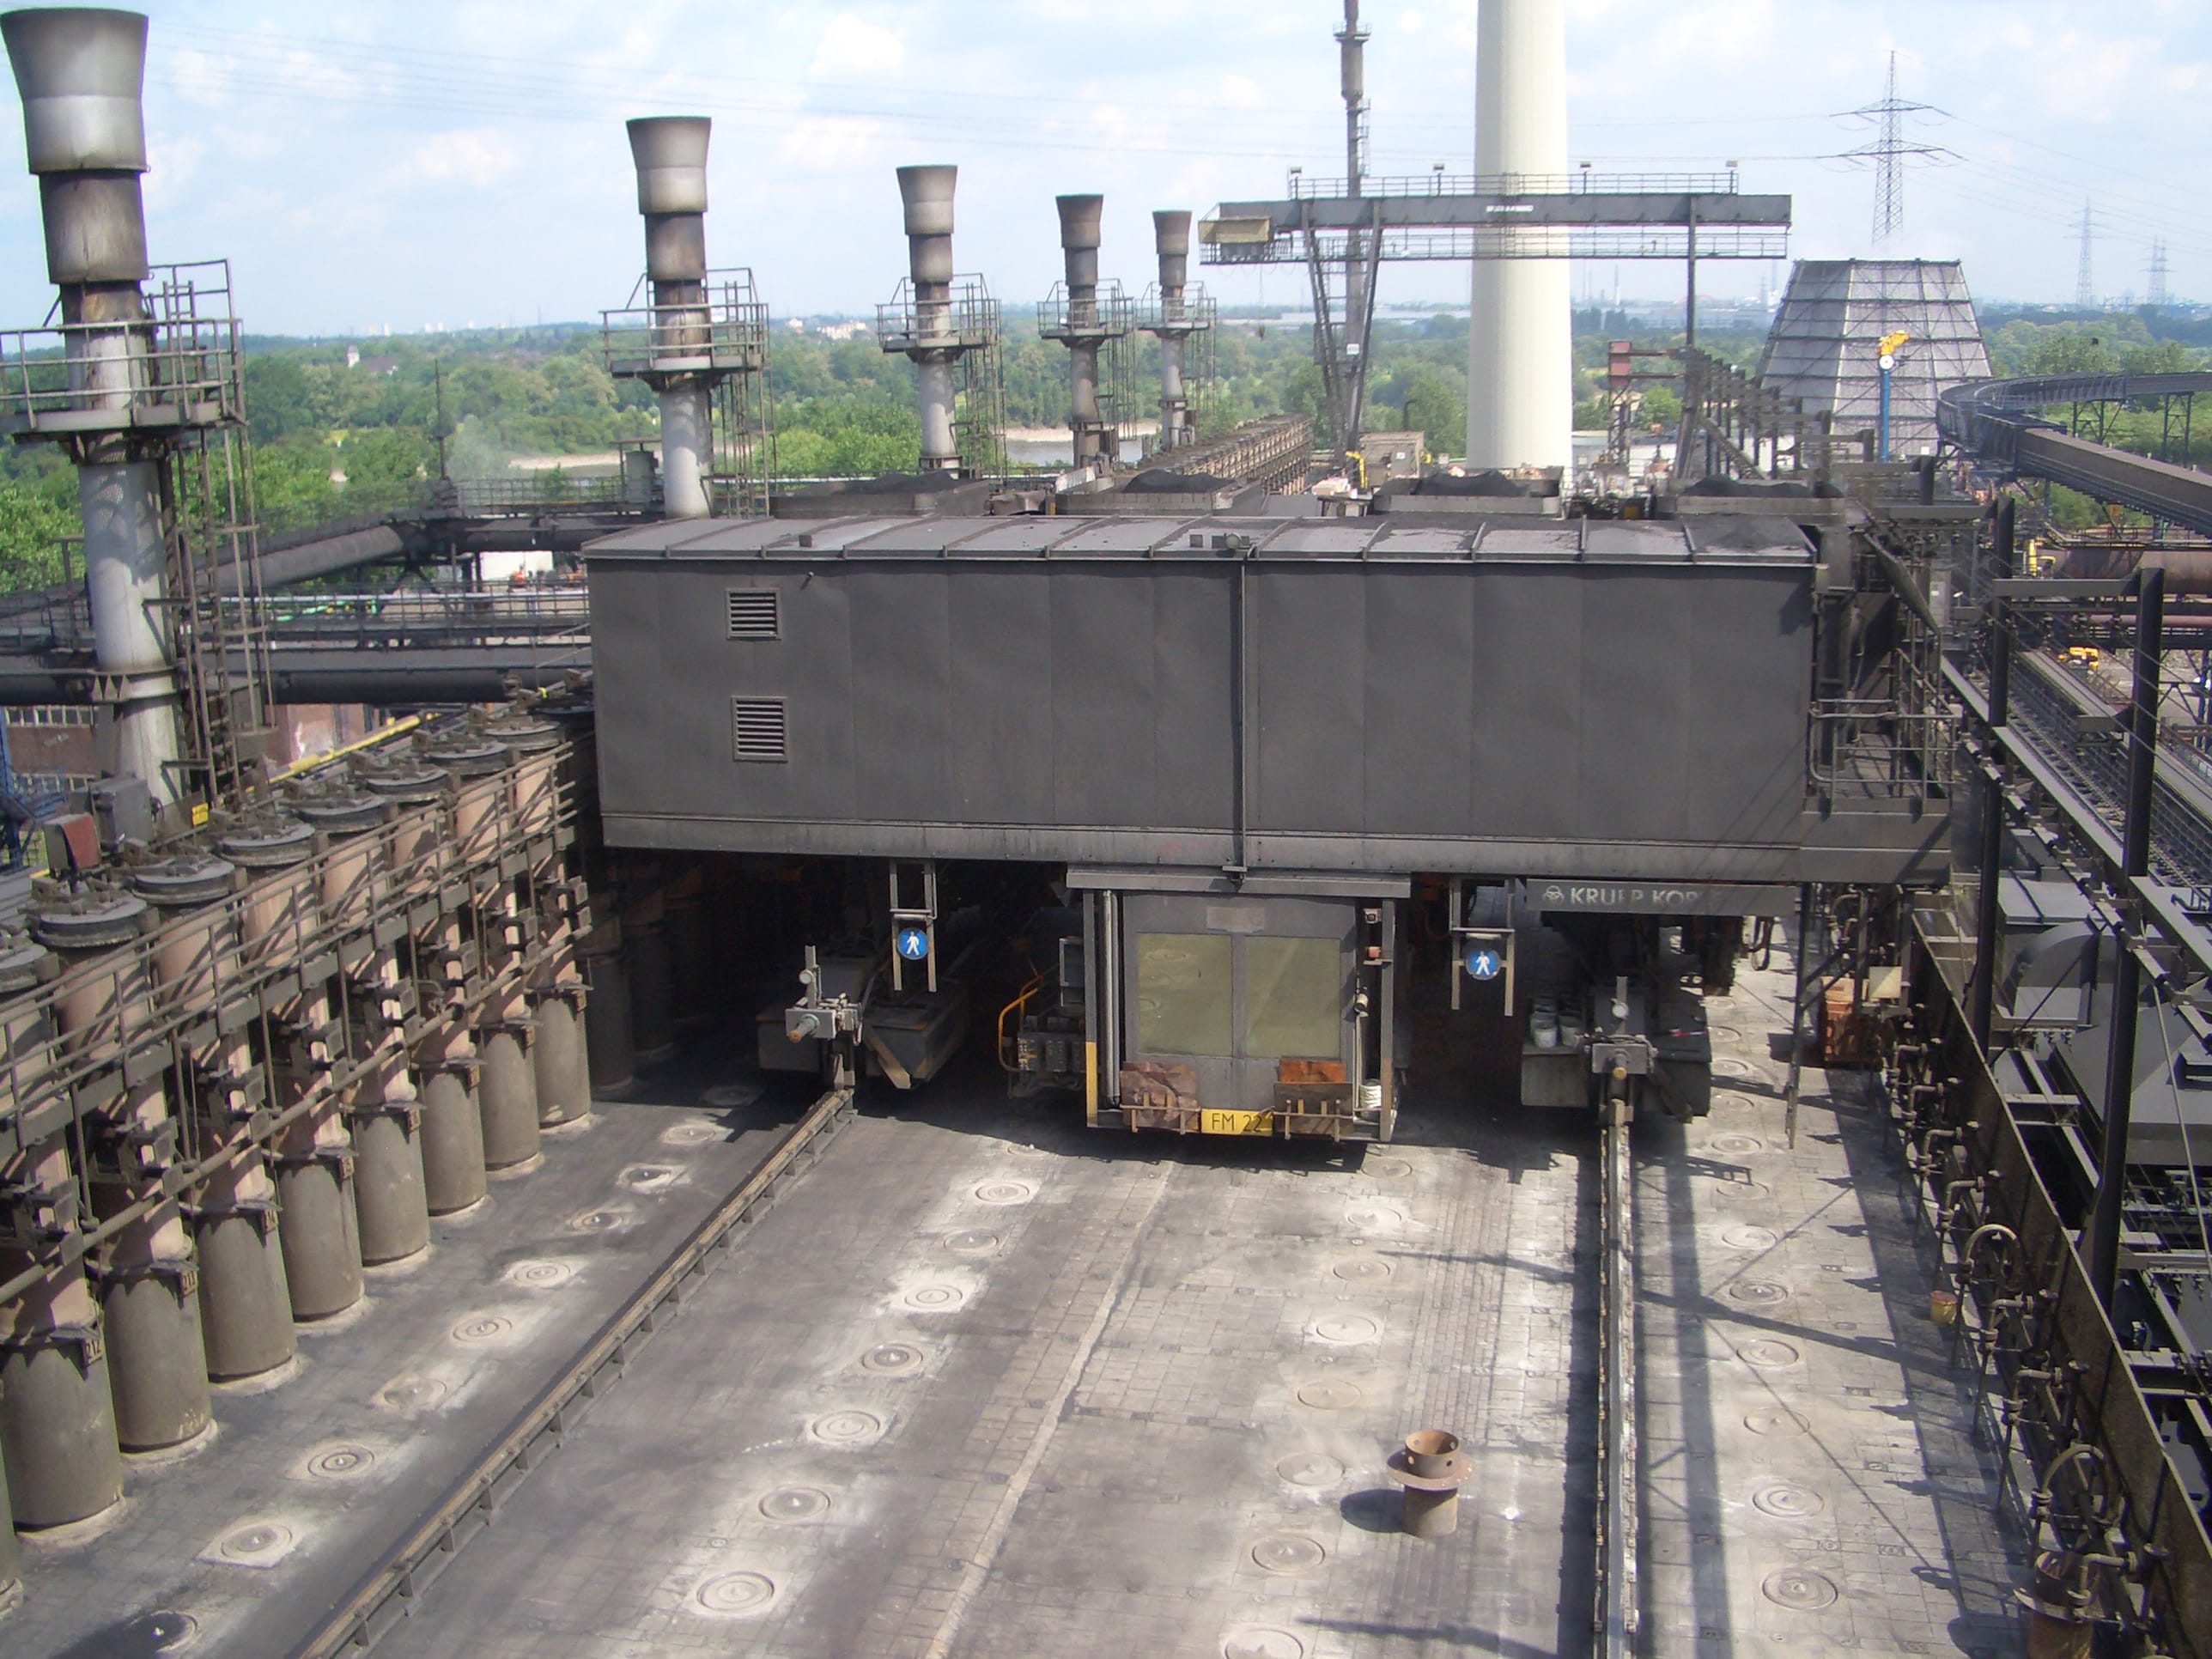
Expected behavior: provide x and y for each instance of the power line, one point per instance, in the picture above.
(2085, 286)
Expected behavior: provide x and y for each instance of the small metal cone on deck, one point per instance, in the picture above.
(1432, 1468)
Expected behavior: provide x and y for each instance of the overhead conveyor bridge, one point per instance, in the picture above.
(1996, 423)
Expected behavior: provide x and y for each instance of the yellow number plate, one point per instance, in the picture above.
(1236, 1123)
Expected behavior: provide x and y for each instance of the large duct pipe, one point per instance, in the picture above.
(1171, 241)
(1520, 354)
(670, 152)
(81, 74)
(1080, 219)
(926, 193)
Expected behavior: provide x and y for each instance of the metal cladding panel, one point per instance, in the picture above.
(1583, 702)
(899, 629)
(1192, 728)
(1311, 634)
(998, 752)
(1418, 760)
(628, 689)
(1405, 713)
(1525, 770)
(1750, 699)
(1141, 719)
(1635, 738)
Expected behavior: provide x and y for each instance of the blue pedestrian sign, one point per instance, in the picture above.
(1483, 962)
(913, 943)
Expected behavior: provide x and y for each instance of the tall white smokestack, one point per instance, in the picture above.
(1520, 348)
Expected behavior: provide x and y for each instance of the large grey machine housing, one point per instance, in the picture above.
(1582, 699)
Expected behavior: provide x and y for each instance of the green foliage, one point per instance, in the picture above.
(1661, 403)
(831, 437)
(35, 519)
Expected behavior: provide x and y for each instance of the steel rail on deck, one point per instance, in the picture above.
(386, 1595)
(1617, 1610)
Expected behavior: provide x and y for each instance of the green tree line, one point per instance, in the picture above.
(320, 427)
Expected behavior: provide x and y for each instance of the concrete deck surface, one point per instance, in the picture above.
(984, 1383)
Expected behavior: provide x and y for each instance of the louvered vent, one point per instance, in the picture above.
(754, 614)
(758, 729)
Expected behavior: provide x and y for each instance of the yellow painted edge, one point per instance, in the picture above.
(1090, 1083)
(382, 734)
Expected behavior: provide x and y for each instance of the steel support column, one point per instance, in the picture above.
(2103, 1254)
(1987, 912)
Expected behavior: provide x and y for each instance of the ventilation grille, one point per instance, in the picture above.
(754, 614)
(758, 729)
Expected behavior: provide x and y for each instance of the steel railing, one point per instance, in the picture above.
(967, 320)
(726, 332)
(1110, 314)
(259, 948)
(1303, 187)
(179, 367)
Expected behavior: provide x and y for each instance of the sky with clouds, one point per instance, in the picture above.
(398, 163)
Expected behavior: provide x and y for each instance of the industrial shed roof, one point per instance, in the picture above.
(1714, 539)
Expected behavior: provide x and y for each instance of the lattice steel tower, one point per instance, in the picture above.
(1889, 153)
(2085, 284)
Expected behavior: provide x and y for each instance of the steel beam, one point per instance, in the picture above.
(1490, 211)
(2104, 1241)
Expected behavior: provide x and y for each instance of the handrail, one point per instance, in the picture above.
(1303, 187)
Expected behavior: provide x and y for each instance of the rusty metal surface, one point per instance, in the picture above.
(2053, 1378)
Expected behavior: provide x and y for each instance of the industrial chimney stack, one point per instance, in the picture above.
(1173, 317)
(699, 329)
(1084, 318)
(1520, 395)
(671, 154)
(923, 324)
(80, 73)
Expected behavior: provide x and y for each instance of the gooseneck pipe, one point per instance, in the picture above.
(81, 72)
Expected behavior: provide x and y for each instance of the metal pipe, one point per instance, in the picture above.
(670, 153)
(2104, 1252)
(80, 73)
(926, 194)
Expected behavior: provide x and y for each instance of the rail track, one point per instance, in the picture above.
(386, 1594)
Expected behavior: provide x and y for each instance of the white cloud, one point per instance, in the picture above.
(831, 144)
(468, 156)
(1241, 92)
(853, 47)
